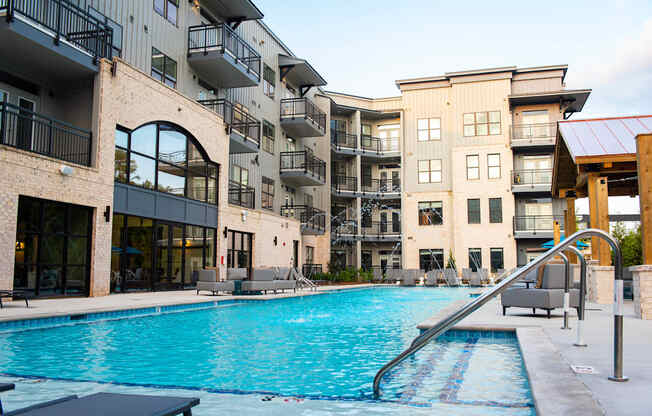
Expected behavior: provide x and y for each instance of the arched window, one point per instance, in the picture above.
(162, 157)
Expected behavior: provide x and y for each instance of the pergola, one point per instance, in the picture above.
(597, 158)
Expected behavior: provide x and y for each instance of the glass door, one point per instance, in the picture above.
(25, 123)
(162, 256)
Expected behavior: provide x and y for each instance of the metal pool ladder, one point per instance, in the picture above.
(445, 324)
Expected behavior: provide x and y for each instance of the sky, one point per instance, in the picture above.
(362, 46)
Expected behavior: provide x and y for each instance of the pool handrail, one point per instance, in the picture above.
(449, 321)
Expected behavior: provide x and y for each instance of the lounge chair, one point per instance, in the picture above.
(207, 281)
(110, 404)
(467, 275)
(409, 277)
(432, 277)
(261, 281)
(393, 275)
(451, 278)
(14, 294)
(284, 280)
(550, 296)
(377, 276)
(478, 278)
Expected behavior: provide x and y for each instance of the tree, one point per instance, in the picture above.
(450, 263)
(630, 244)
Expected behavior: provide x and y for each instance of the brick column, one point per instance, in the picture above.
(642, 285)
(600, 282)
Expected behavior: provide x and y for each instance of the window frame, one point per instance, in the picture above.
(267, 198)
(491, 258)
(468, 168)
(269, 85)
(429, 211)
(496, 219)
(429, 129)
(487, 123)
(430, 170)
(269, 141)
(469, 211)
(163, 77)
(473, 265)
(432, 252)
(490, 166)
(165, 13)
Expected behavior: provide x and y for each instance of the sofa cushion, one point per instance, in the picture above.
(554, 276)
(283, 273)
(237, 274)
(264, 275)
(533, 298)
(207, 276)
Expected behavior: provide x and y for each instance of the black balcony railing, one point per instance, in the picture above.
(241, 195)
(222, 38)
(344, 183)
(344, 139)
(303, 161)
(303, 108)
(532, 177)
(67, 22)
(380, 228)
(381, 185)
(240, 121)
(310, 270)
(27, 130)
(378, 145)
(534, 132)
(344, 227)
(537, 223)
(310, 217)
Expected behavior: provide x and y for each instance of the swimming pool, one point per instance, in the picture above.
(326, 347)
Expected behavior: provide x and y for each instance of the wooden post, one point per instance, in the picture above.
(644, 167)
(556, 232)
(599, 213)
(570, 227)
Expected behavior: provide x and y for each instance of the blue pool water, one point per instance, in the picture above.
(322, 347)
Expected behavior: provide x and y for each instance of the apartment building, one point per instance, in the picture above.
(463, 170)
(141, 141)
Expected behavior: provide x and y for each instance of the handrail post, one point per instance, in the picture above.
(566, 290)
(10, 10)
(3, 119)
(582, 298)
(58, 28)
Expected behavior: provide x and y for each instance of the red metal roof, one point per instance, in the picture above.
(603, 136)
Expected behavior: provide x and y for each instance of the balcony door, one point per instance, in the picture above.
(539, 168)
(389, 137)
(536, 120)
(25, 126)
(538, 215)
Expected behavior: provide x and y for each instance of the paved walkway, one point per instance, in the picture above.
(631, 398)
(40, 308)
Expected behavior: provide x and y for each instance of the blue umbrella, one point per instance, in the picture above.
(551, 243)
(130, 250)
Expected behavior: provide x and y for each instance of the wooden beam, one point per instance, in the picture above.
(644, 162)
(599, 213)
(585, 160)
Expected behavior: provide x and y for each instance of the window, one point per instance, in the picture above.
(493, 164)
(269, 81)
(431, 259)
(430, 171)
(269, 134)
(168, 9)
(239, 175)
(495, 210)
(117, 30)
(472, 167)
(475, 259)
(389, 135)
(159, 156)
(267, 193)
(164, 68)
(430, 213)
(497, 259)
(428, 129)
(473, 208)
(310, 255)
(482, 124)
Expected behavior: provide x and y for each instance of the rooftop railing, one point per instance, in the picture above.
(240, 121)
(27, 130)
(303, 107)
(532, 177)
(220, 37)
(305, 161)
(66, 22)
(242, 195)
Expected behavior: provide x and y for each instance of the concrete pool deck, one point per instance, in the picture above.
(558, 390)
(547, 349)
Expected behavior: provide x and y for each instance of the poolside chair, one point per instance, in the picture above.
(392, 275)
(14, 294)
(262, 280)
(377, 276)
(235, 273)
(207, 281)
(451, 278)
(432, 277)
(549, 296)
(285, 280)
(478, 278)
(409, 277)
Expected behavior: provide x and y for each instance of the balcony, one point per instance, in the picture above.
(534, 135)
(302, 168)
(381, 188)
(300, 117)
(244, 134)
(313, 220)
(536, 226)
(537, 181)
(381, 231)
(222, 58)
(345, 230)
(344, 185)
(343, 142)
(241, 195)
(310, 270)
(56, 35)
(33, 132)
(233, 10)
(379, 148)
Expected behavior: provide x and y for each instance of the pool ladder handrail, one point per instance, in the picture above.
(448, 322)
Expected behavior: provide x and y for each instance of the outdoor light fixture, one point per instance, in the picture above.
(244, 213)
(275, 240)
(66, 170)
(226, 232)
(20, 246)
(107, 213)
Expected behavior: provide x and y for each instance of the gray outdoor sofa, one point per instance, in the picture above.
(207, 281)
(550, 296)
(270, 279)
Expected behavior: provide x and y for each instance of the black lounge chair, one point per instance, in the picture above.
(15, 294)
(112, 404)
